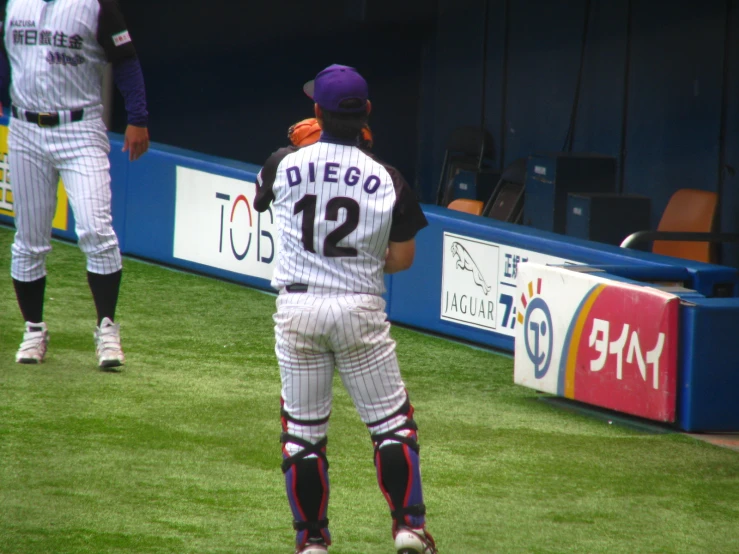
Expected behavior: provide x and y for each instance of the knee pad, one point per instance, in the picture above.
(398, 467)
(305, 467)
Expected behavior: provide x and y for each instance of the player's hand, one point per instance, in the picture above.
(136, 142)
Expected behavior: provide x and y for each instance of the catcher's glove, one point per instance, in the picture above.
(304, 132)
(308, 131)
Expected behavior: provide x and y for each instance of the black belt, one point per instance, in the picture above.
(296, 287)
(46, 119)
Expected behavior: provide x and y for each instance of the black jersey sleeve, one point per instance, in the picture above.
(266, 178)
(2, 27)
(408, 217)
(4, 64)
(113, 33)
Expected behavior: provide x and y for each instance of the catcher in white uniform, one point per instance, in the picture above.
(344, 219)
(57, 51)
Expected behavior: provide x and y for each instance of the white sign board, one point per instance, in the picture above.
(596, 340)
(216, 224)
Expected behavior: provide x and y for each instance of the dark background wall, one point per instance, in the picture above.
(659, 82)
(225, 77)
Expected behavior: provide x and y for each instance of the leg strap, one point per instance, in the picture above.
(415, 510)
(406, 409)
(310, 525)
(309, 422)
(318, 449)
(307, 447)
(396, 434)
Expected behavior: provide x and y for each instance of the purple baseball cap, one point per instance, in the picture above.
(334, 85)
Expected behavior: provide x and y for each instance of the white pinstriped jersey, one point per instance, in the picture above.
(336, 207)
(58, 50)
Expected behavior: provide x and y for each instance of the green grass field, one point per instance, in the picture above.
(180, 452)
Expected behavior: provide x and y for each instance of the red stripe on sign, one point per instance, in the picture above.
(538, 286)
(523, 300)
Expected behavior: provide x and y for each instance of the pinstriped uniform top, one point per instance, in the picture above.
(336, 207)
(58, 50)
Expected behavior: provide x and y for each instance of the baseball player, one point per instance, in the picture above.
(57, 51)
(344, 218)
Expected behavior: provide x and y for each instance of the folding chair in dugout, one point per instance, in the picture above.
(687, 228)
(467, 206)
(506, 201)
(467, 166)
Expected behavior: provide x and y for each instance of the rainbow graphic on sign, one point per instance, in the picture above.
(572, 340)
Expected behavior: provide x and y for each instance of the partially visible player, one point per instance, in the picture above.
(344, 219)
(58, 50)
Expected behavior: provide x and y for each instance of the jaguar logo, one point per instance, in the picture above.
(466, 263)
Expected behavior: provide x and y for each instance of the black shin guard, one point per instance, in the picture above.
(309, 491)
(395, 471)
(104, 290)
(306, 480)
(30, 297)
(398, 468)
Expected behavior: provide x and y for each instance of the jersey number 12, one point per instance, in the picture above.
(331, 248)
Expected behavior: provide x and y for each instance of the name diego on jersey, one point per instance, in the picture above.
(332, 172)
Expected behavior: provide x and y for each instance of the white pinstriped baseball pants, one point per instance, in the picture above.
(38, 156)
(315, 334)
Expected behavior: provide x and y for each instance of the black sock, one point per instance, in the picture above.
(104, 290)
(30, 297)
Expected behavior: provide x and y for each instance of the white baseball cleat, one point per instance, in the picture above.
(414, 541)
(108, 344)
(33, 348)
(313, 546)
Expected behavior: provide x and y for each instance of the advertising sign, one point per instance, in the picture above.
(603, 342)
(61, 216)
(478, 282)
(469, 282)
(216, 224)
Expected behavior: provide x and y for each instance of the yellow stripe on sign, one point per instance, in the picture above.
(575, 340)
(6, 196)
(61, 217)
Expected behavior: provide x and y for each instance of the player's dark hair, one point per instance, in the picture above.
(345, 126)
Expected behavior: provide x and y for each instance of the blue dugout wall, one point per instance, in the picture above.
(192, 211)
